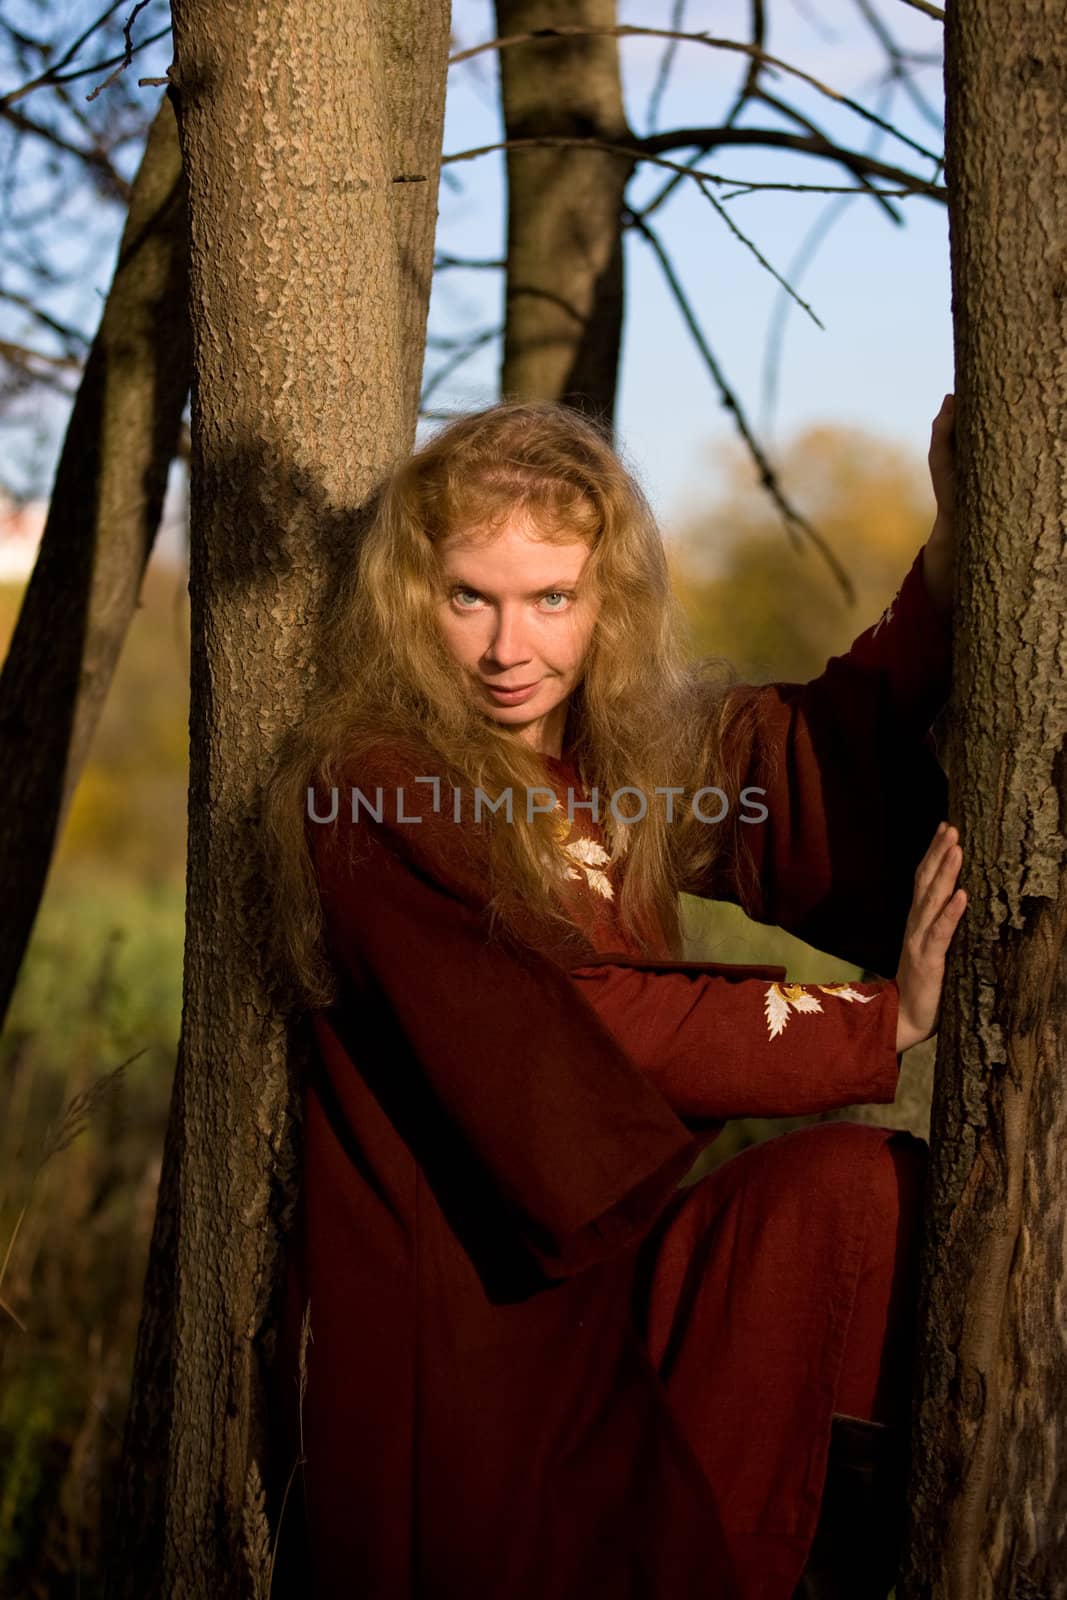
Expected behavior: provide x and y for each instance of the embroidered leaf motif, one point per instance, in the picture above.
(781, 998)
(806, 1002)
(588, 852)
(775, 1009)
(589, 856)
(844, 991)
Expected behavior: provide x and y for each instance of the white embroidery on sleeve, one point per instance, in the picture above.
(782, 998)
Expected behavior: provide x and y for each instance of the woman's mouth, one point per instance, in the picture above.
(512, 697)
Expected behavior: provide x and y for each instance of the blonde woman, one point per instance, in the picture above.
(540, 1367)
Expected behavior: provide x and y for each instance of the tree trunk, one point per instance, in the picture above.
(989, 1493)
(310, 270)
(102, 522)
(564, 297)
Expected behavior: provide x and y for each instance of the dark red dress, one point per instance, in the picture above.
(539, 1369)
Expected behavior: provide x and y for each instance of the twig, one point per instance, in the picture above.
(814, 143)
(744, 188)
(637, 152)
(752, 72)
(92, 158)
(470, 347)
(16, 1319)
(760, 257)
(625, 31)
(127, 54)
(793, 518)
(99, 66)
(776, 327)
(21, 355)
(897, 71)
(69, 54)
(11, 1246)
(469, 262)
(305, 1337)
(855, 164)
(926, 8)
(53, 77)
(666, 61)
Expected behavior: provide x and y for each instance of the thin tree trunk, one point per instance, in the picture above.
(102, 521)
(309, 270)
(564, 297)
(989, 1490)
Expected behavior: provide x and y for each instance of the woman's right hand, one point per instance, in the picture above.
(936, 908)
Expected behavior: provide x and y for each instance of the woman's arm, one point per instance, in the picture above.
(722, 1042)
(525, 1095)
(718, 1046)
(852, 787)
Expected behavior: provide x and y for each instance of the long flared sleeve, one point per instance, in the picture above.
(851, 784)
(488, 1038)
(846, 771)
(725, 1043)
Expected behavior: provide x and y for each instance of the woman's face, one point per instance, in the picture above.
(513, 619)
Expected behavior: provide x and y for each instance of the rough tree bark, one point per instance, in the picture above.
(310, 266)
(103, 517)
(564, 294)
(989, 1492)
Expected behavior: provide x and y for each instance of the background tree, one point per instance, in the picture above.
(103, 517)
(989, 1494)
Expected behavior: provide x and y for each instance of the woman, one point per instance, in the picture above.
(538, 1367)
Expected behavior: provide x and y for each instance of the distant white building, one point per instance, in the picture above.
(20, 534)
(21, 528)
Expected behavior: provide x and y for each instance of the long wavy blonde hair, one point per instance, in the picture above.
(644, 714)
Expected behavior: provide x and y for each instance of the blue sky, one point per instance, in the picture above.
(882, 290)
(885, 358)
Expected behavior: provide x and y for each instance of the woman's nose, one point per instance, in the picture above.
(507, 643)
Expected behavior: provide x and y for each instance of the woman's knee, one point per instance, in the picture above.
(890, 1162)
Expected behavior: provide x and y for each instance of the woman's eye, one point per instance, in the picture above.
(560, 597)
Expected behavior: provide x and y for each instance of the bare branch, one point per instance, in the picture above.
(101, 66)
(814, 144)
(752, 73)
(50, 76)
(701, 178)
(848, 158)
(772, 356)
(70, 336)
(776, 326)
(898, 70)
(655, 99)
(742, 186)
(625, 31)
(794, 520)
(21, 355)
(470, 262)
(926, 8)
(127, 54)
(469, 348)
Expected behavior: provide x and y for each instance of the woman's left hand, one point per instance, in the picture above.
(939, 552)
